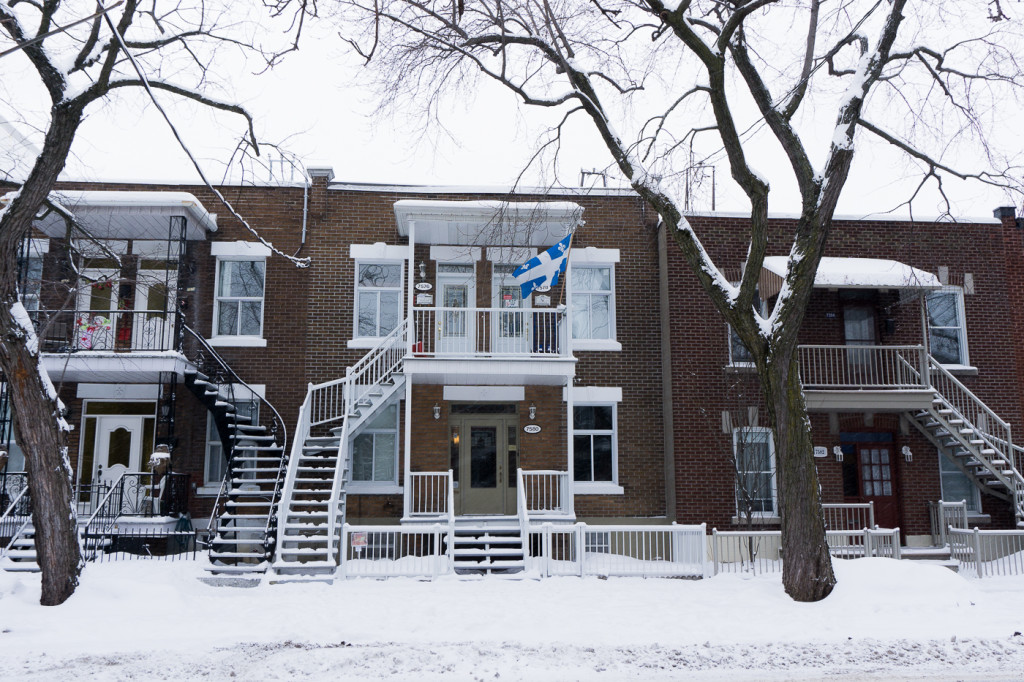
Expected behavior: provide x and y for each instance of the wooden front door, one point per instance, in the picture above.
(877, 472)
(486, 464)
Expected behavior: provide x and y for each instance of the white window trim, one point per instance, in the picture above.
(975, 493)
(454, 254)
(611, 487)
(596, 258)
(238, 340)
(764, 517)
(368, 342)
(376, 487)
(965, 362)
(239, 250)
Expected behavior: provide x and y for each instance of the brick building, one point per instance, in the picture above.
(402, 378)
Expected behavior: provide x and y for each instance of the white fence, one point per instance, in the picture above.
(432, 493)
(879, 367)
(943, 515)
(394, 551)
(546, 492)
(988, 552)
(849, 516)
(760, 551)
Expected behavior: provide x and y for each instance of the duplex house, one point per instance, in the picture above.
(402, 378)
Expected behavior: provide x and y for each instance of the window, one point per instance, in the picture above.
(739, 354)
(375, 449)
(593, 302)
(216, 458)
(594, 447)
(15, 457)
(755, 472)
(947, 335)
(378, 298)
(238, 309)
(30, 272)
(957, 486)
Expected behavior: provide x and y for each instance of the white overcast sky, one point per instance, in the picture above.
(315, 104)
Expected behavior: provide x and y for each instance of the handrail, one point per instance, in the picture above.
(523, 513)
(877, 367)
(301, 432)
(9, 514)
(946, 374)
(336, 483)
(118, 487)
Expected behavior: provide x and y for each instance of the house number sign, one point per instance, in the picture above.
(532, 428)
(424, 286)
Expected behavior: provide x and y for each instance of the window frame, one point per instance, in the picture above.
(592, 486)
(242, 394)
(961, 314)
(359, 340)
(974, 504)
(377, 487)
(590, 343)
(741, 514)
(218, 339)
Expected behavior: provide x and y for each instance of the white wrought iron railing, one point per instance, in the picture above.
(395, 551)
(432, 492)
(489, 332)
(863, 367)
(760, 551)
(944, 515)
(622, 550)
(987, 553)
(853, 516)
(545, 492)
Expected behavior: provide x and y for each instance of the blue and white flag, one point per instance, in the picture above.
(543, 268)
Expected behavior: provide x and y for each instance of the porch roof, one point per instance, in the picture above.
(850, 273)
(480, 223)
(129, 215)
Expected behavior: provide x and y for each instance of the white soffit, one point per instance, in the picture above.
(128, 214)
(487, 222)
(850, 273)
(378, 251)
(240, 249)
(594, 394)
(507, 394)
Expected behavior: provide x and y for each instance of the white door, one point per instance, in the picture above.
(510, 323)
(96, 318)
(456, 324)
(155, 303)
(118, 447)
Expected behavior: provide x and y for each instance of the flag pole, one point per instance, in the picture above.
(565, 281)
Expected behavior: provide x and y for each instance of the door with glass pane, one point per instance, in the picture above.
(510, 322)
(118, 447)
(155, 303)
(487, 460)
(455, 322)
(96, 317)
(860, 329)
(877, 472)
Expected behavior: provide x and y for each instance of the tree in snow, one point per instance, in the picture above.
(79, 56)
(652, 77)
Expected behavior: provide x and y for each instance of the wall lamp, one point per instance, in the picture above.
(907, 454)
(533, 411)
(838, 452)
(423, 270)
(437, 411)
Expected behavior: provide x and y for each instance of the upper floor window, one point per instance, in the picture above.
(754, 454)
(593, 302)
(378, 298)
(739, 354)
(238, 309)
(947, 333)
(956, 485)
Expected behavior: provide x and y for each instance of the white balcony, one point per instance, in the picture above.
(490, 346)
(876, 378)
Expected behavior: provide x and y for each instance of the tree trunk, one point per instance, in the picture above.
(806, 564)
(35, 405)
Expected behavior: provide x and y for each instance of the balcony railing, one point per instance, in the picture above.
(61, 331)
(546, 492)
(462, 332)
(863, 367)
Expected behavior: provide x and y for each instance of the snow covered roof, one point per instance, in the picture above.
(129, 215)
(525, 223)
(850, 273)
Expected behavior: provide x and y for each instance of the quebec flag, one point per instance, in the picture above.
(543, 268)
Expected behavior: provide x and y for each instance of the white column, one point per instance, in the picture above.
(569, 459)
(410, 296)
(407, 477)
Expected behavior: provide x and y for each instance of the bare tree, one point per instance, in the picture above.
(651, 76)
(80, 57)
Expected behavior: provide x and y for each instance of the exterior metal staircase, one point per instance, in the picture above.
(313, 500)
(242, 526)
(974, 437)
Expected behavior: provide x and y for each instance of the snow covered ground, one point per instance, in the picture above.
(885, 620)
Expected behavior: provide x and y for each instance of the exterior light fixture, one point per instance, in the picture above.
(437, 411)
(907, 454)
(423, 270)
(533, 411)
(838, 452)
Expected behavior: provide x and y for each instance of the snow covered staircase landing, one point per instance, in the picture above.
(20, 555)
(313, 500)
(974, 437)
(489, 547)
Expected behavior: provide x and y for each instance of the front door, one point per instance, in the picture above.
(877, 473)
(486, 463)
(118, 447)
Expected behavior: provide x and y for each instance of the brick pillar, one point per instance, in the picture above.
(1013, 263)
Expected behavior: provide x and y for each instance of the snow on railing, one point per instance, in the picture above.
(987, 553)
